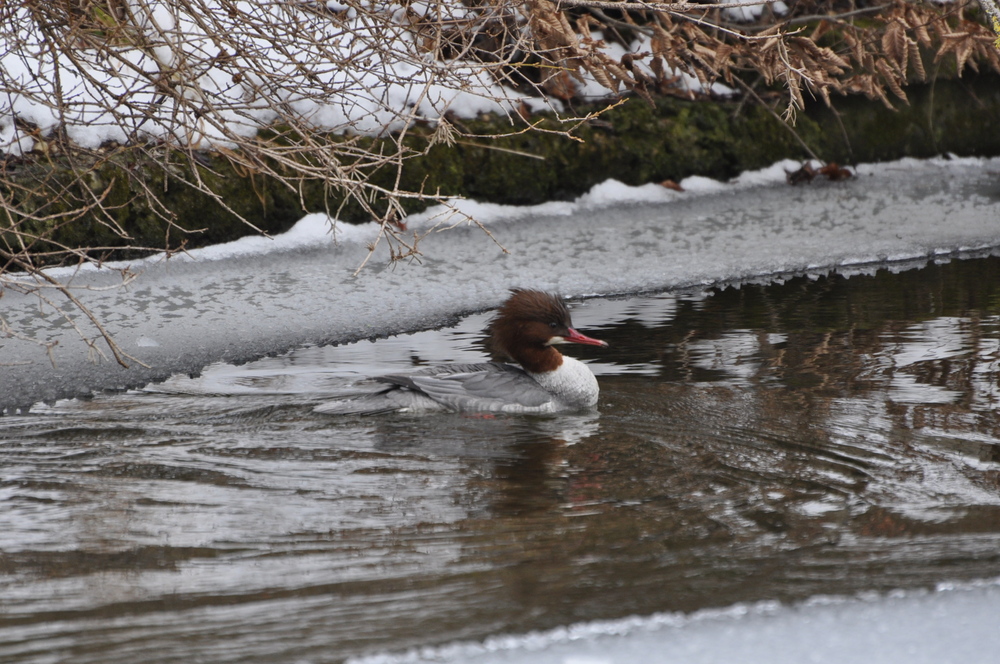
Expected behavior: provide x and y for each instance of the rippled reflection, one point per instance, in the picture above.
(821, 435)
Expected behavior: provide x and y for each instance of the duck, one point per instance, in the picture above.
(537, 378)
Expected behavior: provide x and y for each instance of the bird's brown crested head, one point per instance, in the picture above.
(529, 318)
(528, 324)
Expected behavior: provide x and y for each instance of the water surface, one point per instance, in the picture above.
(812, 435)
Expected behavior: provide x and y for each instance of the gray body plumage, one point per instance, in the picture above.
(490, 387)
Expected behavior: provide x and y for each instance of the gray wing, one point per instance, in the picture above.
(489, 386)
(372, 401)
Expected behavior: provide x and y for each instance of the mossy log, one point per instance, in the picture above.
(634, 142)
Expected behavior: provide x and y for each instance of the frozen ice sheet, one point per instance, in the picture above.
(241, 301)
(948, 626)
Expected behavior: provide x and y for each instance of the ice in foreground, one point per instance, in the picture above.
(951, 625)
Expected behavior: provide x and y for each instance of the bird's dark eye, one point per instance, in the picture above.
(553, 325)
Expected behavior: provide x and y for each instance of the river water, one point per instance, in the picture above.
(804, 436)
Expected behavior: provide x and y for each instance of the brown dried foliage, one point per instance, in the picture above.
(875, 50)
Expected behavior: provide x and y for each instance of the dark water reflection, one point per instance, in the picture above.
(824, 435)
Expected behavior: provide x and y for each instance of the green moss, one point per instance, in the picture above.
(635, 143)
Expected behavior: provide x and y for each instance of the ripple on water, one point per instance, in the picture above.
(817, 436)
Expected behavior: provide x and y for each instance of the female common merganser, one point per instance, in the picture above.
(526, 329)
